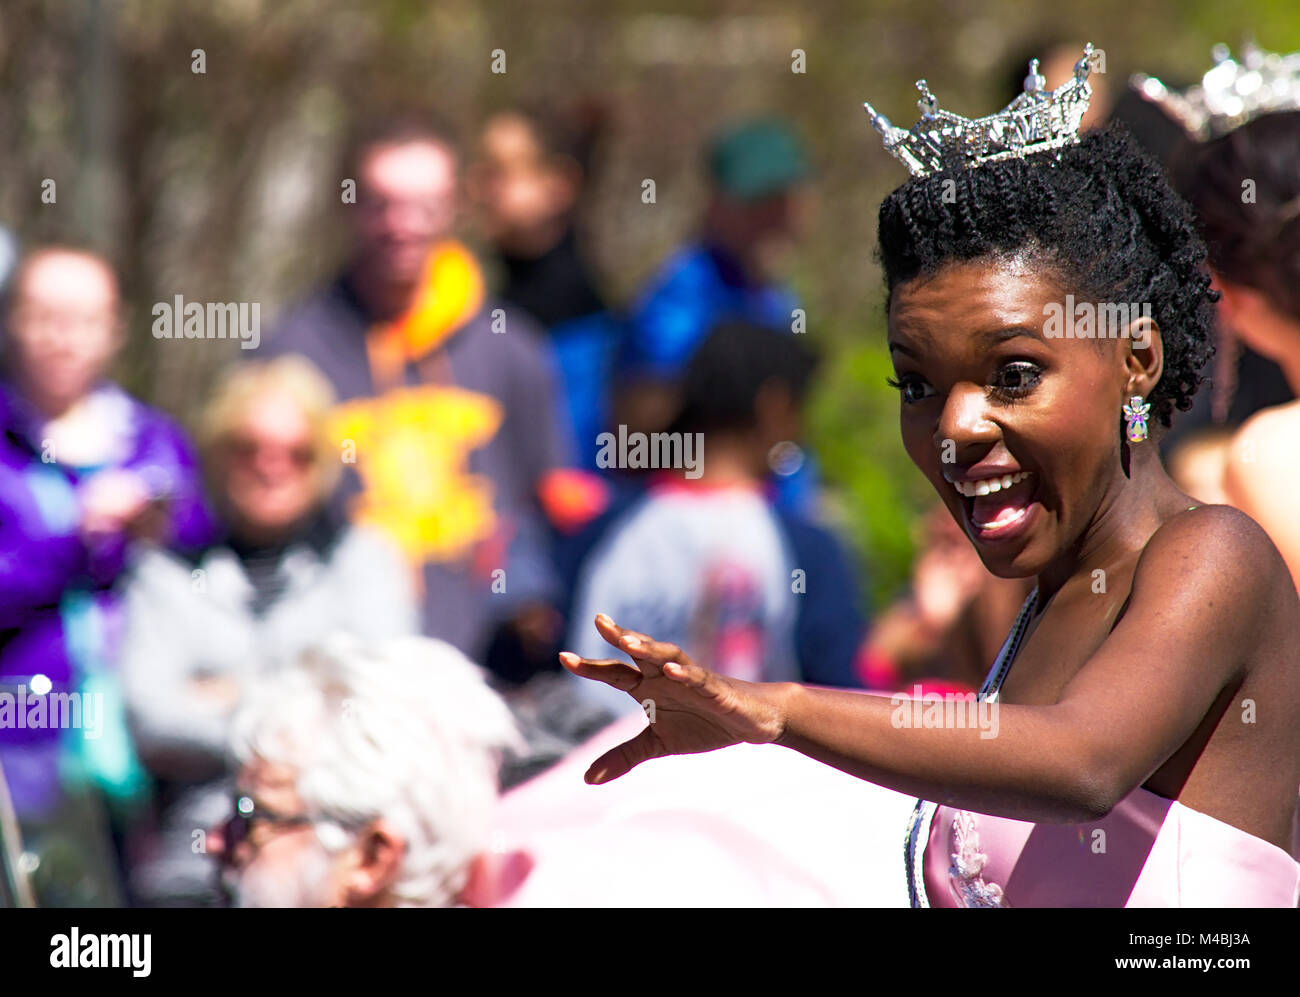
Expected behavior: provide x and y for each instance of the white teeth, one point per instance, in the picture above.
(986, 486)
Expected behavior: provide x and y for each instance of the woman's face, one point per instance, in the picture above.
(985, 395)
(64, 328)
(517, 187)
(270, 478)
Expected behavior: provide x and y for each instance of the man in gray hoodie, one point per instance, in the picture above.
(448, 425)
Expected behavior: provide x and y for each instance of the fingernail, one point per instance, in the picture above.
(597, 779)
(568, 657)
(604, 619)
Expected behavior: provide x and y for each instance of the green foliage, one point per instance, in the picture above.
(222, 185)
(854, 431)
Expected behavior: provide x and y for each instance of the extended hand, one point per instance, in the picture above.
(691, 708)
(119, 502)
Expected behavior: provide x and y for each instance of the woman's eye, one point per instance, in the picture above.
(1017, 379)
(912, 388)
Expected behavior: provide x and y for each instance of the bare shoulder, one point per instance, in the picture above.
(1213, 532)
(1277, 424)
(1264, 455)
(1216, 554)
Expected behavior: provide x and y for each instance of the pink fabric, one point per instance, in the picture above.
(1157, 853)
(751, 825)
(1147, 852)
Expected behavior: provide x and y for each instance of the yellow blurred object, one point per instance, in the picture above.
(413, 447)
(450, 293)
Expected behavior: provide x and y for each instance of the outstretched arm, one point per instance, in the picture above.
(1198, 596)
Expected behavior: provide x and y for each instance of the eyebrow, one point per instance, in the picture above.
(993, 337)
(987, 339)
(901, 349)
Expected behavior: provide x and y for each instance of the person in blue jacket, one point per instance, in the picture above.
(703, 554)
(758, 176)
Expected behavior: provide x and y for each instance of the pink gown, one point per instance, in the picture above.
(752, 826)
(1147, 852)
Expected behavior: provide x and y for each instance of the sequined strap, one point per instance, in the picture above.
(1002, 665)
(918, 824)
(918, 834)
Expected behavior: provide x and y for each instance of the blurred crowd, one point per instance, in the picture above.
(315, 639)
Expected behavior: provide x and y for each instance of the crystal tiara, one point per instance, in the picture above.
(1038, 120)
(1231, 93)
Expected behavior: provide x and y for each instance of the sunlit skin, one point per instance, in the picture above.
(284, 865)
(975, 369)
(1197, 466)
(64, 329)
(406, 203)
(1262, 325)
(268, 481)
(524, 196)
(1261, 476)
(1261, 472)
(1135, 682)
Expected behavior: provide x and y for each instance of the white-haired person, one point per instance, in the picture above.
(367, 778)
(201, 628)
(1120, 711)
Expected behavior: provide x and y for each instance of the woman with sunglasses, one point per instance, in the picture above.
(1146, 750)
(201, 629)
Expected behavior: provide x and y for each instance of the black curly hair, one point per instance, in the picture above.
(1101, 215)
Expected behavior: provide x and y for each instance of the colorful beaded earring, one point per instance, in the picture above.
(1136, 413)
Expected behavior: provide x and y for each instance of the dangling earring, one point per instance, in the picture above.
(1136, 413)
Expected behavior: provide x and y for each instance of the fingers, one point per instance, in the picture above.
(627, 756)
(619, 674)
(641, 648)
(690, 674)
(610, 630)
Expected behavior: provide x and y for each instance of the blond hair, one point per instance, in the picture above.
(291, 376)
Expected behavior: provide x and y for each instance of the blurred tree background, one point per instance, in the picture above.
(223, 185)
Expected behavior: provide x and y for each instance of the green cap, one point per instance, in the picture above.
(757, 158)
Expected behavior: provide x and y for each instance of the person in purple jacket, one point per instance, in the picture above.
(84, 470)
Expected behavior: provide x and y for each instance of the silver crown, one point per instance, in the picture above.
(1231, 93)
(1038, 120)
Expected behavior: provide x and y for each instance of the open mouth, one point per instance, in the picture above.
(999, 507)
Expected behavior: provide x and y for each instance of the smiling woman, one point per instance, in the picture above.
(975, 375)
(1130, 766)
(1097, 225)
